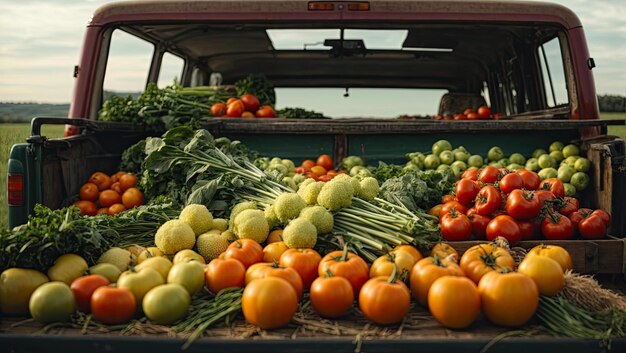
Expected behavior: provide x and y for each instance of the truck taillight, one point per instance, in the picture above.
(329, 6)
(16, 189)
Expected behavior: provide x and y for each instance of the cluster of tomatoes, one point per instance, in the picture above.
(246, 106)
(492, 202)
(482, 113)
(322, 169)
(109, 194)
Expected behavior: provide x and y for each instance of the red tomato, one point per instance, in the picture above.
(447, 198)
(605, 216)
(325, 161)
(592, 227)
(460, 117)
(250, 102)
(479, 225)
(218, 109)
(88, 208)
(554, 185)
(488, 200)
(472, 116)
(455, 227)
(530, 179)
(579, 215)
(468, 110)
(220, 274)
(345, 264)
(569, 205)
(235, 109)
(489, 174)
(471, 174)
(83, 288)
(557, 227)
(510, 182)
(113, 306)
(303, 261)
(466, 191)
(503, 226)
(522, 204)
(265, 112)
(483, 112)
(247, 251)
(544, 195)
(458, 207)
(526, 229)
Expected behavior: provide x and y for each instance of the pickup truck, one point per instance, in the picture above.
(528, 61)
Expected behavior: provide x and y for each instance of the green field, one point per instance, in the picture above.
(16, 133)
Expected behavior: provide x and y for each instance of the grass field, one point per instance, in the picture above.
(11, 134)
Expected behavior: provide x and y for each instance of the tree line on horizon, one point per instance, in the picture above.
(21, 112)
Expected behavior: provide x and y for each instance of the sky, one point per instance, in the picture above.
(40, 43)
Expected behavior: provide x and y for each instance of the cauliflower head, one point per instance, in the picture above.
(271, 217)
(369, 188)
(354, 182)
(245, 205)
(335, 195)
(173, 236)
(210, 245)
(287, 206)
(300, 233)
(319, 217)
(198, 217)
(310, 191)
(251, 224)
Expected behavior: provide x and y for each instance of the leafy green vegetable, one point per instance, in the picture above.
(133, 158)
(386, 171)
(299, 113)
(417, 190)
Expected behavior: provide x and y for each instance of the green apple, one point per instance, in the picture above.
(443, 167)
(504, 161)
(517, 158)
(496, 164)
(446, 157)
(431, 161)
(514, 166)
(570, 150)
(495, 153)
(532, 164)
(538, 152)
(570, 190)
(557, 156)
(475, 161)
(582, 165)
(547, 173)
(556, 146)
(571, 161)
(565, 173)
(462, 166)
(580, 181)
(546, 161)
(462, 156)
(440, 146)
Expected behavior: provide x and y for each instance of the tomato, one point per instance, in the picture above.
(568, 205)
(455, 226)
(101, 180)
(128, 181)
(275, 236)
(140, 281)
(269, 302)
(556, 253)
(303, 261)
(16, 287)
(89, 192)
(308, 163)
(325, 161)
(83, 288)
(472, 116)
(116, 177)
(273, 251)
(471, 174)
(318, 170)
(454, 301)
(544, 195)
(113, 306)
(167, 303)
(592, 227)
(460, 117)
(117, 188)
(447, 198)
(522, 204)
(457, 206)
(384, 300)
(488, 200)
(503, 226)
(411, 250)
(52, 302)
(435, 210)
(345, 264)
(489, 174)
(385, 264)
(483, 258)
(247, 251)
(444, 251)
(88, 208)
(526, 230)
(159, 263)
(468, 110)
(102, 210)
(426, 271)
(557, 227)
(109, 197)
(331, 296)
(115, 209)
(220, 274)
(189, 274)
(479, 225)
(554, 185)
(231, 100)
(530, 179)
(67, 268)
(264, 269)
(132, 197)
(265, 112)
(251, 102)
(324, 178)
(546, 272)
(235, 109)
(466, 191)
(605, 216)
(578, 216)
(508, 298)
(510, 182)
(218, 109)
(483, 112)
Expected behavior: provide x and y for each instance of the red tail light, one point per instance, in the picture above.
(16, 189)
(321, 6)
(359, 6)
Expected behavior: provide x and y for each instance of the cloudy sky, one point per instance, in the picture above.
(40, 41)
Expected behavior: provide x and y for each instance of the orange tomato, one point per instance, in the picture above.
(508, 298)
(331, 296)
(88, 208)
(274, 236)
(132, 197)
(89, 192)
(128, 181)
(265, 112)
(116, 208)
(247, 251)
(304, 261)
(104, 210)
(308, 163)
(113, 305)
(269, 302)
(443, 250)
(235, 109)
(384, 300)
(117, 188)
(263, 270)
(108, 197)
(426, 271)
(454, 301)
(220, 274)
(324, 178)
(273, 251)
(247, 115)
(318, 170)
(345, 264)
(231, 100)
(218, 109)
(116, 177)
(411, 250)
(484, 258)
(325, 161)
(102, 180)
